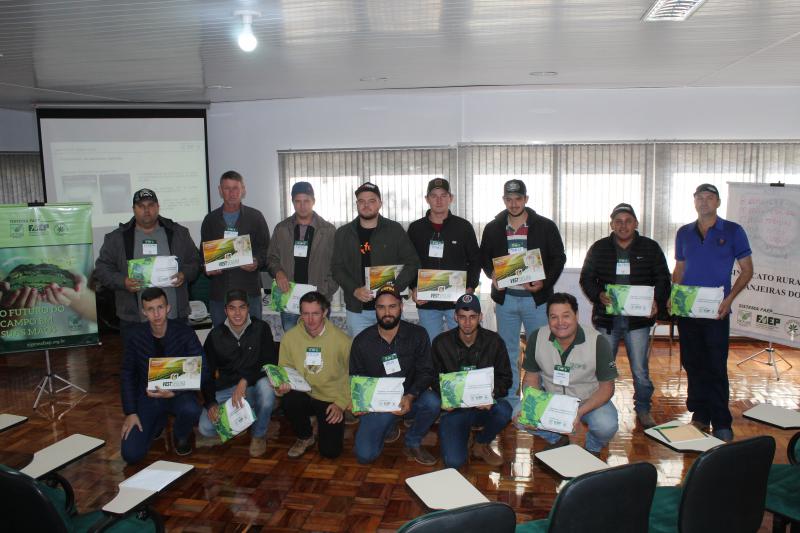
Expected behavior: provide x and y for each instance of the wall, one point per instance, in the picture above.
(18, 131)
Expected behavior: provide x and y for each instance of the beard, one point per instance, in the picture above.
(388, 322)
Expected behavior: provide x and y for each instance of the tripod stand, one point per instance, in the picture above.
(46, 384)
(772, 354)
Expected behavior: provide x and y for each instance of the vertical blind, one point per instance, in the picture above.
(20, 178)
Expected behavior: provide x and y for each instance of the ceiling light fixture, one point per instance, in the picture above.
(672, 10)
(247, 41)
(543, 73)
(374, 78)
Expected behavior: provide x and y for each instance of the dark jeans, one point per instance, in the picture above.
(153, 417)
(455, 425)
(298, 406)
(704, 355)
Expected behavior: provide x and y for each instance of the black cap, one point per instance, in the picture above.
(706, 187)
(470, 302)
(515, 187)
(302, 187)
(235, 294)
(438, 183)
(368, 187)
(389, 288)
(623, 208)
(144, 194)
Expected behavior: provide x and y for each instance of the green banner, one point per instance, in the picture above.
(45, 264)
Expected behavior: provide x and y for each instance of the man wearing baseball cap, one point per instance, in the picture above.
(627, 258)
(232, 219)
(470, 347)
(395, 348)
(443, 241)
(146, 234)
(705, 251)
(301, 249)
(370, 240)
(517, 229)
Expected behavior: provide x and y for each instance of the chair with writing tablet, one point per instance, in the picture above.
(783, 490)
(617, 499)
(494, 517)
(724, 490)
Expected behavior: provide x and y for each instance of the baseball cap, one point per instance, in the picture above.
(438, 183)
(302, 187)
(515, 187)
(144, 194)
(706, 187)
(470, 302)
(389, 288)
(235, 294)
(623, 208)
(368, 187)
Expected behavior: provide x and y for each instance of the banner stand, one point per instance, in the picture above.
(772, 353)
(46, 384)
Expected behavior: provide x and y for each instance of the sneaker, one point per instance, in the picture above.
(485, 452)
(563, 440)
(300, 447)
(393, 435)
(646, 420)
(723, 434)
(182, 447)
(201, 441)
(258, 445)
(420, 455)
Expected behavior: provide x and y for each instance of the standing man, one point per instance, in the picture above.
(301, 249)
(566, 358)
(395, 348)
(369, 240)
(518, 229)
(145, 410)
(319, 351)
(232, 219)
(146, 234)
(236, 352)
(705, 251)
(627, 258)
(443, 242)
(469, 347)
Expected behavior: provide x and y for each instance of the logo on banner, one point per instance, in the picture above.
(38, 228)
(60, 228)
(745, 317)
(792, 328)
(17, 231)
(767, 321)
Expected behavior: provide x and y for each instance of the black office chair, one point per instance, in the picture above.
(724, 491)
(482, 517)
(617, 499)
(27, 506)
(783, 490)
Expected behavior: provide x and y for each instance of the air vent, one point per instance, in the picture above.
(672, 10)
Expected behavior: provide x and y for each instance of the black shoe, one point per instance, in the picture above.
(182, 447)
(563, 440)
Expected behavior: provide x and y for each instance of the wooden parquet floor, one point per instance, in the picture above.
(229, 491)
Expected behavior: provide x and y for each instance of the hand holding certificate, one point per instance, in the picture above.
(696, 302)
(376, 395)
(154, 270)
(280, 375)
(227, 253)
(233, 420)
(378, 276)
(441, 285)
(289, 301)
(467, 388)
(630, 300)
(518, 268)
(547, 411)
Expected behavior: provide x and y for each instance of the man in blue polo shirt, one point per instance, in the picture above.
(705, 251)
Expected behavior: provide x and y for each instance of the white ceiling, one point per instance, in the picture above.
(117, 51)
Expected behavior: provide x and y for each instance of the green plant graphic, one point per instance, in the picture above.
(534, 404)
(452, 388)
(682, 298)
(618, 295)
(362, 389)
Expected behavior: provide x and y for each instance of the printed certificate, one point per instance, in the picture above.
(630, 300)
(441, 285)
(376, 395)
(154, 270)
(547, 411)
(278, 375)
(467, 388)
(696, 302)
(378, 276)
(227, 253)
(174, 373)
(233, 420)
(518, 268)
(289, 301)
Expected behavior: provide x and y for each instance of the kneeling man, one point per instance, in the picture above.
(566, 358)
(470, 347)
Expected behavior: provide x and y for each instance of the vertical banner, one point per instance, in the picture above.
(769, 308)
(45, 262)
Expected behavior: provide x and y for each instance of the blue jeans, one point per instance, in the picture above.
(373, 427)
(704, 355)
(358, 322)
(288, 320)
(636, 344)
(602, 424)
(217, 309)
(516, 311)
(436, 321)
(153, 417)
(261, 398)
(455, 425)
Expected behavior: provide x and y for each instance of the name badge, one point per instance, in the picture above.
(313, 357)
(230, 232)
(623, 268)
(561, 375)
(149, 247)
(516, 249)
(391, 364)
(301, 248)
(436, 249)
(467, 368)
